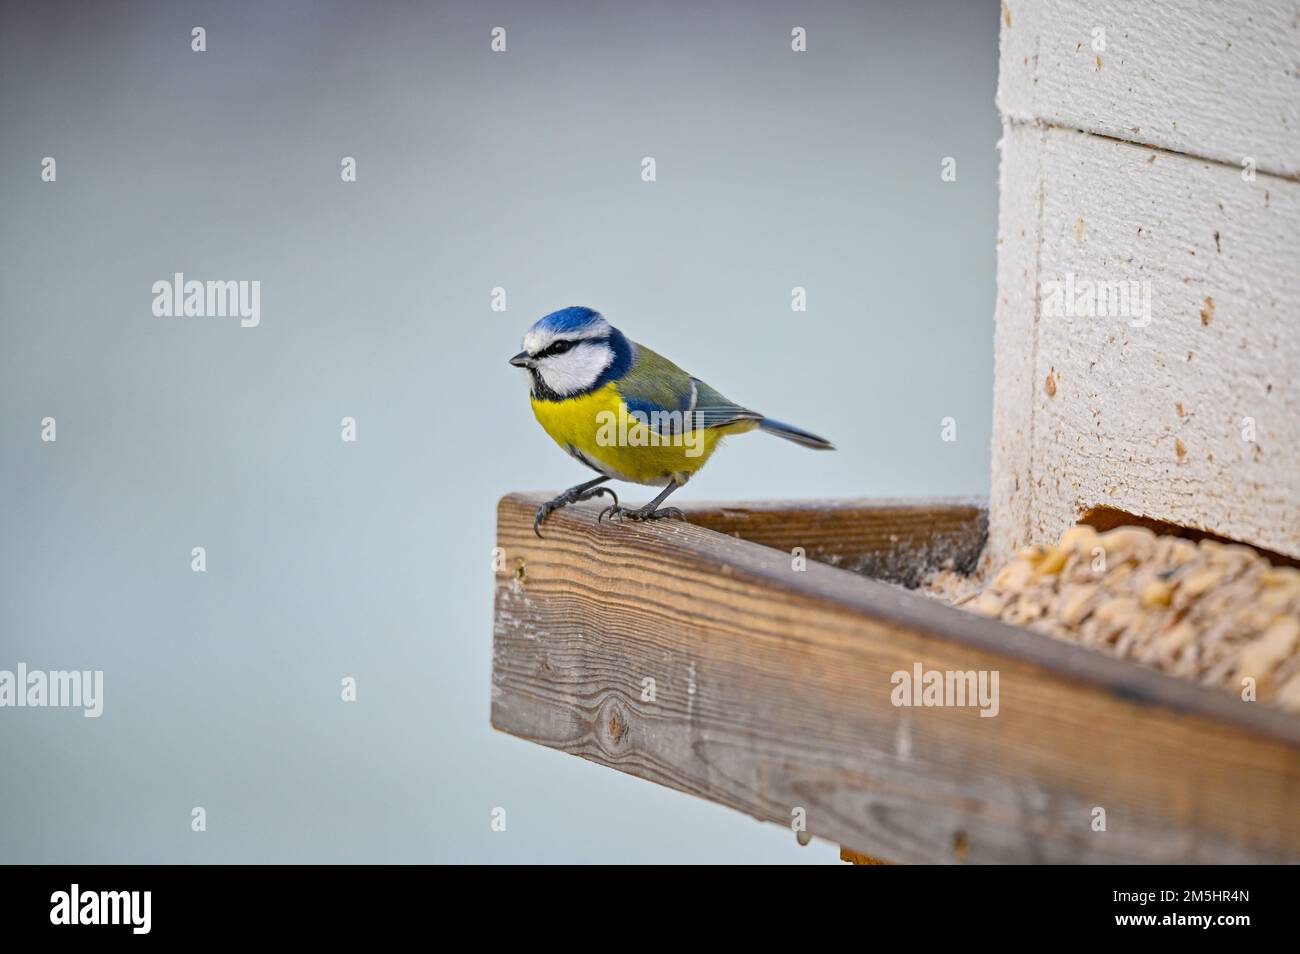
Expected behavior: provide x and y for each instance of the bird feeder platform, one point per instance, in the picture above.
(1138, 158)
(718, 658)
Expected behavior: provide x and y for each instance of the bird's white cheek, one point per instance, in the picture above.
(575, 370)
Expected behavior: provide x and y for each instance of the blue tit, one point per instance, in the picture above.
(626, 412)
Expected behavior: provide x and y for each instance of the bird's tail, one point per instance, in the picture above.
(792, 433)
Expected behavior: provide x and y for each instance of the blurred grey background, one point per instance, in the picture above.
(372, 559)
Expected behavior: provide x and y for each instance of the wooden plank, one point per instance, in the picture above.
(1217, 80)
(895, 540)
(1014, 369)
(772, 692)
(1145, 413)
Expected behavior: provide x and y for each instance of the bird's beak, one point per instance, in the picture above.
(522, 360)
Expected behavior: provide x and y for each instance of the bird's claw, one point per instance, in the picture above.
(563, 500)
(641, 513)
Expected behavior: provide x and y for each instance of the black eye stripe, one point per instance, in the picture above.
(557, 347)
(562, 345)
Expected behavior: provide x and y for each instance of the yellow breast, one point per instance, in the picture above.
(598, 429)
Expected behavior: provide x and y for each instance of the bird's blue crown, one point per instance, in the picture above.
(591, 328)
(569, 320)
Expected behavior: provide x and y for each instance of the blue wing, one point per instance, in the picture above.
(663, 393)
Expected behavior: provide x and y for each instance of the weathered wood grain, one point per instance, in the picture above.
(1150, 415)
(772, 693)
(1220, 80)
(895, 540)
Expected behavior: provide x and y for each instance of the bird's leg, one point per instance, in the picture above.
(649, 511)
(584, 491)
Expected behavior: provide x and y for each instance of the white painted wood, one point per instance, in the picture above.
(1207, 78)
(1145, 418)
(1016, 311)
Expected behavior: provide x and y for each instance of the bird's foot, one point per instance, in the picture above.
(641, 513)
(571, 496)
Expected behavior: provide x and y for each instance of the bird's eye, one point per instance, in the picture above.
(560, 347)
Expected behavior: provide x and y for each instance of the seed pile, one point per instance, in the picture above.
(1213, 612)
